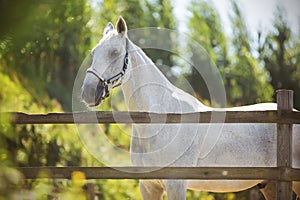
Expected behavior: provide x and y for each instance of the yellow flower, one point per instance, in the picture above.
(78, 178)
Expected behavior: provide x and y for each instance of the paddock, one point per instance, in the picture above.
(284, 117)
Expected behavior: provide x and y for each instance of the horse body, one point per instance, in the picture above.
(242, 145)
(145, 88)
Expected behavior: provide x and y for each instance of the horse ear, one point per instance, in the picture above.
(121, 26)
(109, 27)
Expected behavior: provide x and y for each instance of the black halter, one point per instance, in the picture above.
(115, 81)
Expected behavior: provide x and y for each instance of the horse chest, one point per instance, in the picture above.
(164, 145)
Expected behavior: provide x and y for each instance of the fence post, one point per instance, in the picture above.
(90, 191)
(284, 143)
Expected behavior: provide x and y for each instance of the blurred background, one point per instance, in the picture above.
(255, 46)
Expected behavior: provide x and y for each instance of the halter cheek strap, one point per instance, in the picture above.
(114, 81)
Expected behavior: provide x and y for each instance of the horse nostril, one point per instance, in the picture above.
(92, 95)
(88, 93)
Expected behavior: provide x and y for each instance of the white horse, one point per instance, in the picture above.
(117, 61)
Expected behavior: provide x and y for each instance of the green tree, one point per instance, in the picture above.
(205, 28)
(51, 48)
(247, 81)
(131, 11)
(280, 53)
(159, 13)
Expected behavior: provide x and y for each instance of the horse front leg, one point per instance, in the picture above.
(176, 189)
(151, 190)
(296, 189)
(268, 188)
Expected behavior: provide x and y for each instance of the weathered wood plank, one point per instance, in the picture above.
(205, 173)
(284, 143)
(286, 117)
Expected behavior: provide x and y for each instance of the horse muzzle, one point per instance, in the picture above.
(92, 95)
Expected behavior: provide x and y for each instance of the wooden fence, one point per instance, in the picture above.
(284, 117)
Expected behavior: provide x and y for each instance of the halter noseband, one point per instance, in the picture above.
(115, 81)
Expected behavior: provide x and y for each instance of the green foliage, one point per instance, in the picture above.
(205, 29)
(31, 145)
(280, 53)
(158, 13)
(241, 37)
(10, 179)
(50, 50)
(131, 10)
(120, 189)
(247, 81)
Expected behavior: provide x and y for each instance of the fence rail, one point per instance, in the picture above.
(285, 117)
(205, 173)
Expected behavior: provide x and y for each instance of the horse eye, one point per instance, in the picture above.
(114, 52)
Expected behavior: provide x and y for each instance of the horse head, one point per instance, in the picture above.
(109, 64)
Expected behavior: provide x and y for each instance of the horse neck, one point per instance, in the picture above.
(142, 86)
